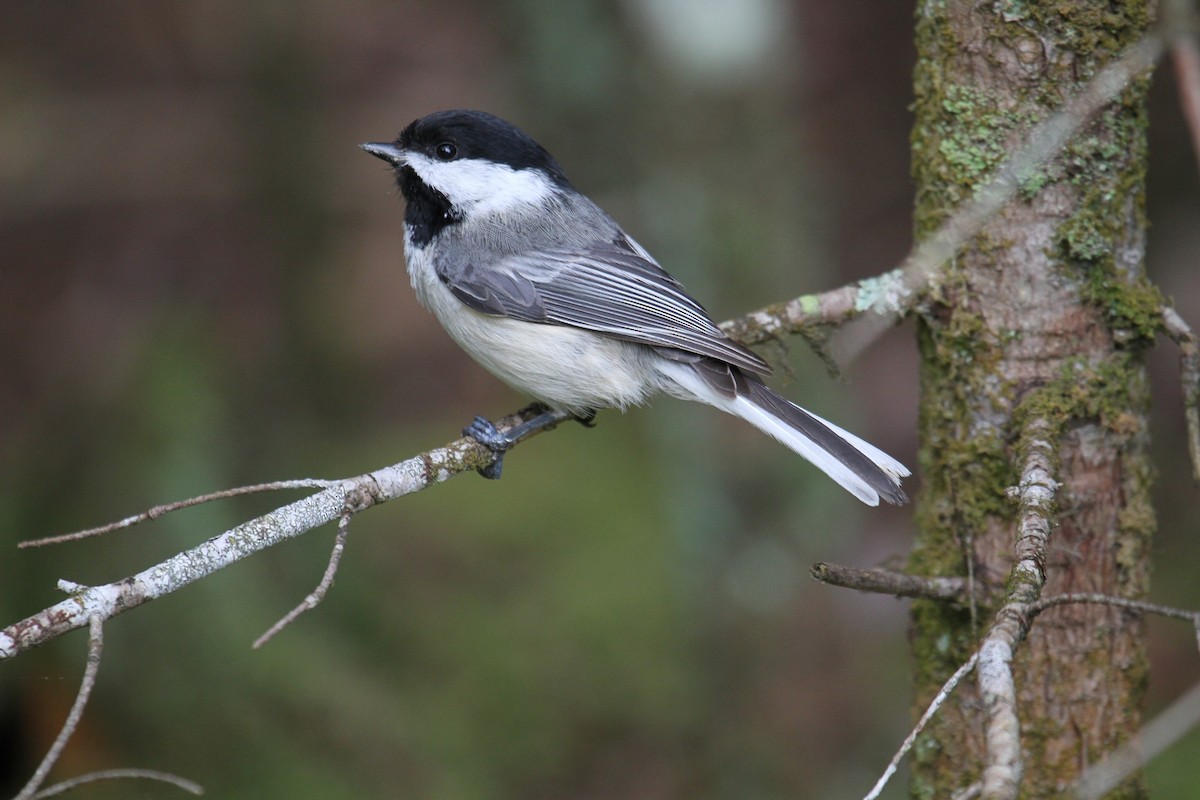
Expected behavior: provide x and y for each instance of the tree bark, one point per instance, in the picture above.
(1046, 315)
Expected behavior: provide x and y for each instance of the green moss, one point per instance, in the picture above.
(1031, 184)
(1083, 239)
(1088, 29)
(1108, 393)
(975, 103)
(1133, 311)
(965, 144)
(1111, 168)
(971, 141)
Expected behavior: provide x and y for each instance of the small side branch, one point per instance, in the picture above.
(889, 295)
(95, 650)
(1181, 20)
(1170, 726)
(899, 584)
(355, 503)
(158, 511)
(947, 688)
(898, 291)
(1140, 606)
(63, 787)
(1189, 370)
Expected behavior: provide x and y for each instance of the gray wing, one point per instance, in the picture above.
(613, 288)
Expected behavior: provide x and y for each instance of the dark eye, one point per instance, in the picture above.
(446, 151)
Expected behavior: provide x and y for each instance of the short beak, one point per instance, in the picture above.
(388, 152)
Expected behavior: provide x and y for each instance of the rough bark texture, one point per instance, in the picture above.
(1046, 315)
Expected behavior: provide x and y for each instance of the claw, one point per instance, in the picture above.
(484, 431)
(487, 434)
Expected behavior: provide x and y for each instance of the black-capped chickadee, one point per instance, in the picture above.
(547, 292)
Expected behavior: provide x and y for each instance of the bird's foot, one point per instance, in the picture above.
(487, 434)
(484, 431)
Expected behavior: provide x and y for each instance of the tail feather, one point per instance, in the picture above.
(873, 474)
(858, 466)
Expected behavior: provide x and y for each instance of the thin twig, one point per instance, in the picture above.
(1119, 602)
(120, 774)
(1185, 56)
(352, 506)
(1180, 16)
(158, 511)
(948, 687)
(883, 581)
(95, 650)
(1189, 372)
(1160, 733)
(1173, 612)
(968, 792)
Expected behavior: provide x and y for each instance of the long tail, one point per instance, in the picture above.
(861, 468)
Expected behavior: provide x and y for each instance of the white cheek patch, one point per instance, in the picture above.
(482, 187)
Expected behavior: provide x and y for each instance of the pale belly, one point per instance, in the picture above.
(566, 368)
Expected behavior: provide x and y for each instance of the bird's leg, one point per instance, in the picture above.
(487, 434)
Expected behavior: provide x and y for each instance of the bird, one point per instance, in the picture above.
(545, 290)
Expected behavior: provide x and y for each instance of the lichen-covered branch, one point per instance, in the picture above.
(889, 295)
(294, 519)
(1002, 731)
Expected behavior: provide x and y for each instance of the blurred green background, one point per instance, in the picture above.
(202, 286)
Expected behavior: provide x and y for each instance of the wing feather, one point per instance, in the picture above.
(613, 288)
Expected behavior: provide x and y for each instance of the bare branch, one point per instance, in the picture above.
(1002, 775)
(1185, 56)
(948, 687)
(884, 581)
(1181, 21)
(158, 511)
(120, 774)
(1119, 602)
(1189, 370)
(95, 650)
(1170, 726)
(1184, 614)
(1159, 733)
(352, 506)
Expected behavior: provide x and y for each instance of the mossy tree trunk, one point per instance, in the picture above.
(1046, 314)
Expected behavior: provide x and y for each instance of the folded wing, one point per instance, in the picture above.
(613, 288)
